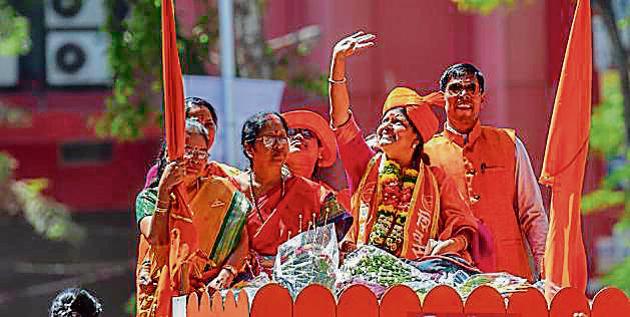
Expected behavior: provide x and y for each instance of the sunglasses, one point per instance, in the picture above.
(306, 133)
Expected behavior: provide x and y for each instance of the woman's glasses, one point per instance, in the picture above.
(195, 154)
(270, 140)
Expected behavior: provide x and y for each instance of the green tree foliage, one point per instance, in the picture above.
(133, 54)
(619, 276)
(135, 59)
(482, 6)
(14, 31)
(608, 140)
(24, 198)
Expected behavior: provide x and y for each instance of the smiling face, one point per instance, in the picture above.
(395, 134)
(464, 100)
(270, 148)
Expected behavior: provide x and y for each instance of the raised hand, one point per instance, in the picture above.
(173, 175)
(353, 44)
(338, 90)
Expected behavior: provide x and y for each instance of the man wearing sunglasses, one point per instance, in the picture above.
(491, 168)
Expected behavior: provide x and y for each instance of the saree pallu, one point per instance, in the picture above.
(219, 214)
(437, 211)
(281, 216)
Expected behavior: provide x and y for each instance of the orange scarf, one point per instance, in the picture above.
(423, 216)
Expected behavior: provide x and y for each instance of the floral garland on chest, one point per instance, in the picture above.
(395, 191)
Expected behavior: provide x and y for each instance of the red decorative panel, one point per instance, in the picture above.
(443, 299)
(567, 302)
(272, 300)
(610, 302)
(357, 300)
(400, 301)
(485, 301)
(315, 301)
(530, 303)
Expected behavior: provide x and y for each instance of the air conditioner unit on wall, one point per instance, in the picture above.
(77, 58)
(74, 13)
(9, 71)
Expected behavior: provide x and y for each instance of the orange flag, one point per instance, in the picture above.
(565, 157)
(182, 233)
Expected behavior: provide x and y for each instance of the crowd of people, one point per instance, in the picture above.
(467, 192)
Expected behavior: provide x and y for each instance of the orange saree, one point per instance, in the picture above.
(287, 210)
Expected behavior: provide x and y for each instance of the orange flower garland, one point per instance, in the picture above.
(396, 190)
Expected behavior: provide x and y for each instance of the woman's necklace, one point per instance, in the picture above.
(255, 199)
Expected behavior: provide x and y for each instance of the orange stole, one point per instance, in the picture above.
(484, 172)
(423, 222)
(281, 214)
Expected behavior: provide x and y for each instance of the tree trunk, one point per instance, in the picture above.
(620, 56)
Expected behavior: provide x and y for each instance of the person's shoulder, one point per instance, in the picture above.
(437, 139)
(307, 185)
(229, 170)
(224, 183)
(149, 193)
(242, 180)
(146, 200)
(505, 134)
(301, 180)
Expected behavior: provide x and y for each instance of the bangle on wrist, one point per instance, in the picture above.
(337, 82)
(159, 210)
(163, 204)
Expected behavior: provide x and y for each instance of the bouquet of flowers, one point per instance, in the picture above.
(310, 257)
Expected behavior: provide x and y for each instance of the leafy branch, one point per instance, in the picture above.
(14, 31)
(135, 58)
(482, 6)
(25, 198)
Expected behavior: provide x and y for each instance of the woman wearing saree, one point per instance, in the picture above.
(219, 213)
(400, 203)
(201, 110)
(284, 205)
